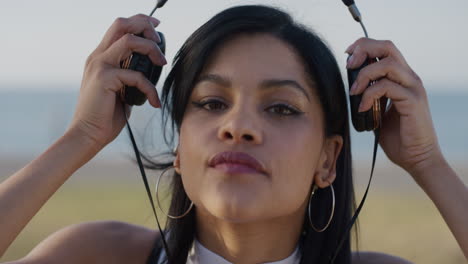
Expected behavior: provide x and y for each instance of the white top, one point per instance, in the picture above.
(201, 255)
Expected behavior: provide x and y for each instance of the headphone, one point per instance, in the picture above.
(370, 120)
(362, 121)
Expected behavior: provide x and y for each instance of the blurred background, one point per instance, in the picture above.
(45, 44)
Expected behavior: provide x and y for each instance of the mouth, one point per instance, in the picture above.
(236, 163)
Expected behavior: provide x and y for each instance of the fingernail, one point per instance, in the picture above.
(353, 88)
(361, 107)
(350, 61)
(163, 60)
(158, 103)
(155, 21)
(158, 38)
(348, 50)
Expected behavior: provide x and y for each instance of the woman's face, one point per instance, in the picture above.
(262, 103)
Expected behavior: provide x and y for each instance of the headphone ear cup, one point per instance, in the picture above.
(362, 121)
(156, 69)
(141, 63)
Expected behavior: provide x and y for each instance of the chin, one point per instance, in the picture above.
(236, 203)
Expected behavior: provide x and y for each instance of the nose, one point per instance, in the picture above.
(241, 126)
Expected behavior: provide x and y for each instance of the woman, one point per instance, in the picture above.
(260, 109)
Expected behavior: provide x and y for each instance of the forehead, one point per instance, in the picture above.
(256, 57)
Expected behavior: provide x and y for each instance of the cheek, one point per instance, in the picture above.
(190, 144)
(295, 166)
(192, 159)
(297, 149)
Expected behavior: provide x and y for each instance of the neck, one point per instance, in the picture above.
(253, 242)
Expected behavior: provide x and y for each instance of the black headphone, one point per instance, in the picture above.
(142, 63)
(370, 120)
(364, 121)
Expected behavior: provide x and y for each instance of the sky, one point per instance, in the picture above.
(44, 44)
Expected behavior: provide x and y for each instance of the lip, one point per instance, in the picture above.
(236, 162)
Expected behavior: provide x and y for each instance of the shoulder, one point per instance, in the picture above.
(96, 242)
(366, 257)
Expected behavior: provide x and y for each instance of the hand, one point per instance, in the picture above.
(407, 136)
(99, 114)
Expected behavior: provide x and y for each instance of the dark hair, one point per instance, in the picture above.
(321, 67)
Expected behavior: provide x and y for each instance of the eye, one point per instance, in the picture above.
(284, 110)
(210, 105)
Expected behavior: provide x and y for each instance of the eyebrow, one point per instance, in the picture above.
(265, 84)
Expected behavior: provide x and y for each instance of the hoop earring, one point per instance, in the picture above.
(332, 212)
(159, 203)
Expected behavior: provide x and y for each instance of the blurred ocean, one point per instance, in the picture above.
(30, 121)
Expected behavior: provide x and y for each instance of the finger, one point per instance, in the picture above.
(129, 43)
(365, 48)
(138, 80)
(401, 97)
(149, 32)
(134, 25)
(385, 68)
(391, 115)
